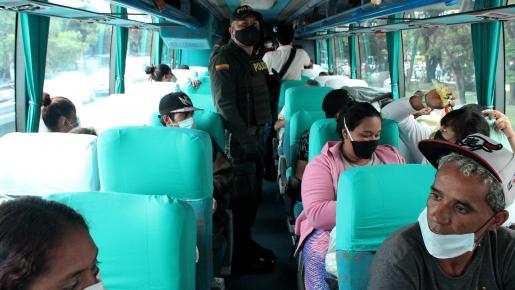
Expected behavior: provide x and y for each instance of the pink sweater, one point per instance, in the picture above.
(320, 185)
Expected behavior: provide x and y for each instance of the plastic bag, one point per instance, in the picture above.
(330, 257)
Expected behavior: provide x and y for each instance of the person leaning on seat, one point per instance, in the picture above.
(458, 242)
(176, 110)
(45, 245)
(239, 89)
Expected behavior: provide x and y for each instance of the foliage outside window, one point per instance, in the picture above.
(342, 56)
(374, 60)
(7, 47)
(443, 54)
(139, 49)
(77, 65)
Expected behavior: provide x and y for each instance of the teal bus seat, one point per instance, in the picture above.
(373, 202)
(282, 92)
(299, 122)
(145, 242)
(164, 161)
(389, 133)
(323, 131)
(320, 133)
(201, 96)
(206, 121)
(304, 99)
(304, 78)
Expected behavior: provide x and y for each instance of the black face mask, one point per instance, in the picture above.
(439, 136)
(364, 149)
(248, 36)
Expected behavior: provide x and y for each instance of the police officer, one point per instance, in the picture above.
(239, 88)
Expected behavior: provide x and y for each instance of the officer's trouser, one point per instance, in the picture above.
(247, 190)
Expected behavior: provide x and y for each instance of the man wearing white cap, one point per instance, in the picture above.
(458, 242)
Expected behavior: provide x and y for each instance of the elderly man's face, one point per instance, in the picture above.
(457, 204)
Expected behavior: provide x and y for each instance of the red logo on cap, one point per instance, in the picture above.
(475, 143)
(510, 185)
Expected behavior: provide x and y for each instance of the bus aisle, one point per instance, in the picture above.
(270, 230)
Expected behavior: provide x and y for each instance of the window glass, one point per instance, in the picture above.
(77, 64)
(342, 56)
(443, 54)
(374, 60)
(139, 48)
(167, 55)
(509, 63)
(441, 9)
(324, 56)
(7, 47)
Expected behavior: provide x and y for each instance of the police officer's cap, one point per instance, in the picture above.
(243, 11)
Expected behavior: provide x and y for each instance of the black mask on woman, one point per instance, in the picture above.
(364, 149)
(248, 36)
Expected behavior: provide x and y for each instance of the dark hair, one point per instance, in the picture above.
(53, 108)
(312, 83)
(336, 101)
(473, 107)
(184, 66)
(323, 73)
(285, 34)
(465, 122)
(82, 130)
(30, 229)
(354, 115)
(157, 73)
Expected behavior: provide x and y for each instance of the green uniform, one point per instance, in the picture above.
(240, 92)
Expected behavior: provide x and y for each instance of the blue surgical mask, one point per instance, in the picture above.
(446, 246)
(97, 286)
(187, 123)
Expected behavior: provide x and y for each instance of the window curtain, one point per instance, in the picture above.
(34, 30)
(317, 51)
(485, 44)
(122, 37)
(393, 45)
(352, 55)
(158, 49)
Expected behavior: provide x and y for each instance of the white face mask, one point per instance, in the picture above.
(187, 123)
(98, 286)
(444, 246)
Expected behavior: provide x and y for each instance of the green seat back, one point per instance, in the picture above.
(389, 133)
(320, 133)
(373, 202)
(282, 92)
(206, 121)
(299, 122)
(168, 161)
(145, 242)
(304, 99)
(201, 96)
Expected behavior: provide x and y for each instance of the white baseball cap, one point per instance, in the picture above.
(490, 154)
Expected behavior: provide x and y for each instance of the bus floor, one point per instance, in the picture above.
(270, 231)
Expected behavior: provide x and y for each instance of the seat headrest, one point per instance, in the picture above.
(46, 163)
(374, 201)
(142, 239)
(339, 83)
(304, 99)
(156, 160)
(323, 79)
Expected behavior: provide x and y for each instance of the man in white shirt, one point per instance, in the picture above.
(276, 59)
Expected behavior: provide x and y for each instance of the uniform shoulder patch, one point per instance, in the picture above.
(222, 66)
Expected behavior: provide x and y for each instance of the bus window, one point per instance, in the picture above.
(342, 56)
(443, 54)
(324, 54)
(509, 65)
(7, 48)
(138, 56)
(374, 60)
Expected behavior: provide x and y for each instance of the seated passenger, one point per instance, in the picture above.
(360, 128)
(176, 110)
(458, 241)
(194, 83)
(163, 73)
(58, 114)
(83, 130)
(453, 126)
(45, 245)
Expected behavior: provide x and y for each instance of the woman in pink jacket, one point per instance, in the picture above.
(360, 128)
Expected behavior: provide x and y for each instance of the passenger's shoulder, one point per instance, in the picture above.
(389, 154)
(505, 239)
(403, 244)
